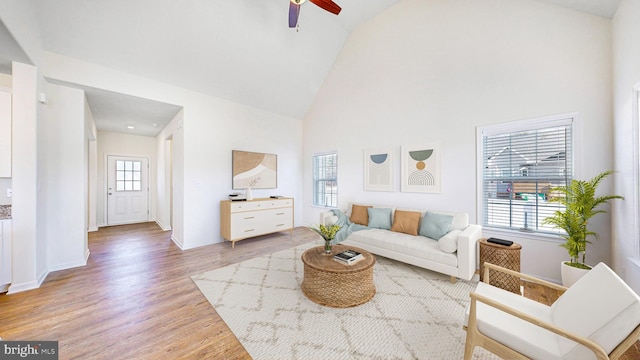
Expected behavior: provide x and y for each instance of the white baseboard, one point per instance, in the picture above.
(177, 242)
(16, 288)
(162, 226)
(70, 264)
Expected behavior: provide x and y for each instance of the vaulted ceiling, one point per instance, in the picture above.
(240, 50)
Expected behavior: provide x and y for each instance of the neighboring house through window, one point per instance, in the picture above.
(325, 179)
(521, 162)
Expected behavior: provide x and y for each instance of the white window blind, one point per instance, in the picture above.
(521, 165)
(325, 179)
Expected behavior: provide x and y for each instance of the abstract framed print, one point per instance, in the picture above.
(420, 168)
(378, 170)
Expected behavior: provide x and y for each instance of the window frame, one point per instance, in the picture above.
(550, 121)
(316, 179)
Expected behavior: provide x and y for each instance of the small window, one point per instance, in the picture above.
(325, 179)
(128, 175)
(521, 163)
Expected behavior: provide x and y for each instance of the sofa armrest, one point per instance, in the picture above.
(467, 244)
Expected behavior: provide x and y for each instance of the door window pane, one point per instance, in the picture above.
(128, 175)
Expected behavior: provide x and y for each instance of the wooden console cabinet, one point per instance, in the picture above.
(244, 219)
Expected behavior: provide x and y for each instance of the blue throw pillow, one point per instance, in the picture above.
(434, 225)
(379, 218)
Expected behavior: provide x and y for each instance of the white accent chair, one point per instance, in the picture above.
(598, 317)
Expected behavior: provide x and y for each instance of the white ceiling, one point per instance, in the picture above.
(240, 50)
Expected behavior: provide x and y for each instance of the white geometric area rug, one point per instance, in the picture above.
(415, 313)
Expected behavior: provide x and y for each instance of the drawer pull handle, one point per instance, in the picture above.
(249, 230)
(249, 217)
(280, 214)
(280, 225)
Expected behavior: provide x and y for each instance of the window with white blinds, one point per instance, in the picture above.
(325, 179)
(522, 163)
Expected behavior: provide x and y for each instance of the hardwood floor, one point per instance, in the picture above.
(135, 299)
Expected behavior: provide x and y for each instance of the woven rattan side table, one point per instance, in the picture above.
(330, 283)
(505, 256)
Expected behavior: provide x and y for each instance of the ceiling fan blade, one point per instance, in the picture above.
(328, 5)
(294, 11)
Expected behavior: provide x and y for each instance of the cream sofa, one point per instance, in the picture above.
(453, 254)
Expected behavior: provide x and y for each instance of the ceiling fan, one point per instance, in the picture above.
(294, 9)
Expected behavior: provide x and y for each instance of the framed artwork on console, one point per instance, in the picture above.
(378, 170)
(420, 168)
(254, 170)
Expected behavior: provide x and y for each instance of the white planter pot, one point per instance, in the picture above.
(570, 274)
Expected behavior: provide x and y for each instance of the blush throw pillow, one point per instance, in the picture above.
(406, 222)
(359, 214)
(379, 218)
(435, 225)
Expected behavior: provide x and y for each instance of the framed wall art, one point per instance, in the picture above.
(254, 170)
(378, 170)
(420, 168)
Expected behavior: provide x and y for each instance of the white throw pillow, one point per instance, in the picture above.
(449, 242)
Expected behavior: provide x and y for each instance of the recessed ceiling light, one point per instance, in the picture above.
(130, 127)
(155, 125)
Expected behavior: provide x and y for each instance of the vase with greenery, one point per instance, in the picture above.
(580, 205)
(327, 233)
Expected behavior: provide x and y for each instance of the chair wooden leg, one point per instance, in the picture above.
(471, 329)
(468, 347)
(453, 279)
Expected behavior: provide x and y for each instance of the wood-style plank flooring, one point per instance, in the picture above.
(135, 298)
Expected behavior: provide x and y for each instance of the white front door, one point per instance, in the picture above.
(127, 190)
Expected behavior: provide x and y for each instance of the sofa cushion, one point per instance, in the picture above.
(414, 246)
(599, 306)
(449, 242)
(435, 225)
(379, 218)
(406, 222)
(359, 214)
(526, 338)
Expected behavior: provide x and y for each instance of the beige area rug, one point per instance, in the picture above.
(415, 314)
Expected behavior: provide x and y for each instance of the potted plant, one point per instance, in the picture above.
(327, 233)
(581, 204)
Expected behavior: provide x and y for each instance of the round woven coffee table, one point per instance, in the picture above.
(330, 283)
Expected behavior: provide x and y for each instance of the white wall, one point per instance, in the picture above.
(5, 183)
(211, 129)
(170, 191)
(92, 168)
(29, 249)
(165, 173)
(432, 71)
(120, 144)
(65, 142)
(626, 55)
